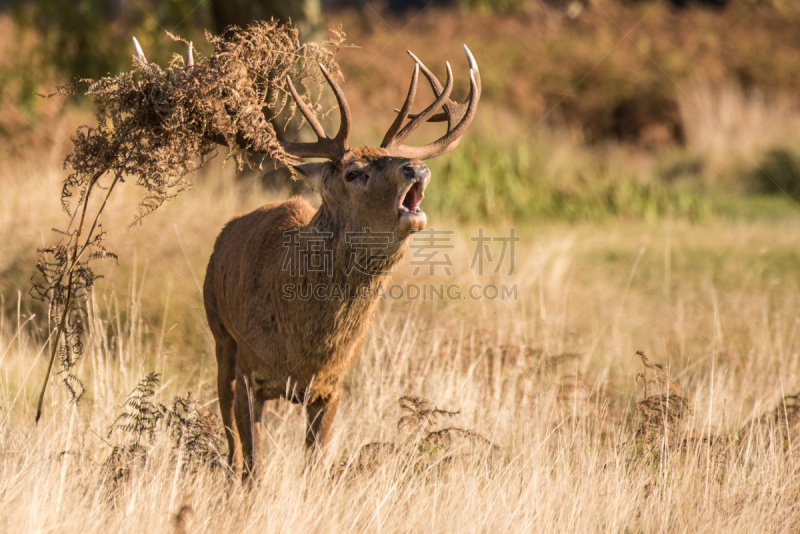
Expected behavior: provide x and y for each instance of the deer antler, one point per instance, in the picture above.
(138, 52)
(324, 147)
(189, 62)
(458, 115)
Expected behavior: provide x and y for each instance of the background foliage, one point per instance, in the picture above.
(658, 93)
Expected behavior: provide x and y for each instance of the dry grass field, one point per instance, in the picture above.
(560, 425)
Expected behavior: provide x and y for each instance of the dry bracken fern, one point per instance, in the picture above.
(422, 446)
(194, 432)
(664, 409)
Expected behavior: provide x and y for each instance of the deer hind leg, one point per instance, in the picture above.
(319, 417)
(226, 388)
(249, 408)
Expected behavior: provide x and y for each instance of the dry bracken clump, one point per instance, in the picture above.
(663, 428)
(156, 125)
(782, 423)
(423, 443)
(420, 413)
(583, 403)
(194, 432)
(663, 408)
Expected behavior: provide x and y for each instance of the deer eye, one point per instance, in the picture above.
(352, 175)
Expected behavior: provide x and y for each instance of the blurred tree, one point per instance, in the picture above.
(305, 14)
(712, 3)
(69, 34)
(82, 38)
(404, 5)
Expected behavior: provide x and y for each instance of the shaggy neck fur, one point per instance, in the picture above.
(358, 260)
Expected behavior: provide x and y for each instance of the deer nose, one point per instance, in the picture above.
(416, 172)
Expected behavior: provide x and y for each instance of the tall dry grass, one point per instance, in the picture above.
(549, 431)
(722, 120)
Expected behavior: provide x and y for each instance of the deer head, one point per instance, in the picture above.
(381, 187)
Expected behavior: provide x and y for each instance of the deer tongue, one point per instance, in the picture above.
(413, 197)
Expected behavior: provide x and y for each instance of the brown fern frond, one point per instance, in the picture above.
(196, 430)
(421, 414)
(662, 411)
(140, 417)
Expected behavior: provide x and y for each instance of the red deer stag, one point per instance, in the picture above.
(271, 342)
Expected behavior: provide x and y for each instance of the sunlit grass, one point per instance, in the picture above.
(547, 384)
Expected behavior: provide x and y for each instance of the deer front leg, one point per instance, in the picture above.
(249, 411)
(226, 387)
(319, 417)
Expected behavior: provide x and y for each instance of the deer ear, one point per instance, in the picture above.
(314, 173)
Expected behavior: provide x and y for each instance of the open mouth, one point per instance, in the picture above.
(409, 202)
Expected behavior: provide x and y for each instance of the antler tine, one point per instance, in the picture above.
(452, 138)
(324, 147)
(403, 112)
(458, 115)
(454, 111)
(435, 83)
(137, 50)
(427, 113)
(189, 55)
(304, 109)
(344, 110)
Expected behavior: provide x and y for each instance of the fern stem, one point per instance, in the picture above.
(75, 257)
(59, 330)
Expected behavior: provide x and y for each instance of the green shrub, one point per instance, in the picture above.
(778, 172)
(486, 178)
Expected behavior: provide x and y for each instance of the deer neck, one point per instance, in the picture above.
(359, 256)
